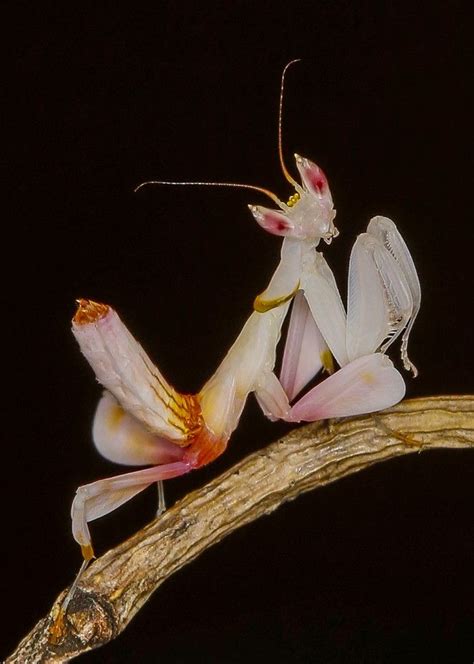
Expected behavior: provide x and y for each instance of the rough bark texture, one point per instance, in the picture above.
(117, 585)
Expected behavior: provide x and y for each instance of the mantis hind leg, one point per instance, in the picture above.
(100, 498)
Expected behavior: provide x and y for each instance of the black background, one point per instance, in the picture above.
(377, 568)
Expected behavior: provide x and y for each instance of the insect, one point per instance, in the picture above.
(142, 420)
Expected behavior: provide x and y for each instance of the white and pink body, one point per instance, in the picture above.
(142, 420)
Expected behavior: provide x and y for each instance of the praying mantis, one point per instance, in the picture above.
(142, 420)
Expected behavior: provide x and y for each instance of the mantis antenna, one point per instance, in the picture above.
(280, 116)
(235, 184)
(210, 184)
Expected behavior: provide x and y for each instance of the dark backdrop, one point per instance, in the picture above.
(377, 568)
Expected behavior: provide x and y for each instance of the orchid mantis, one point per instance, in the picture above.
(142, 420)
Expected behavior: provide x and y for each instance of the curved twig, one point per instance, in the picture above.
(119, 583)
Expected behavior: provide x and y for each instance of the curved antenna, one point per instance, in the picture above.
(236, 184)
(280, 115)
(211, 184)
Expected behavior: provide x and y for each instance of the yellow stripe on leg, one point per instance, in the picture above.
(262, 306)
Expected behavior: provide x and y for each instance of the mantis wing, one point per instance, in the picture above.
(369, 316)
(380, 304)
(385, 230)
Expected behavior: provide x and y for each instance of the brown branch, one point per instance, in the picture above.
(117, 585)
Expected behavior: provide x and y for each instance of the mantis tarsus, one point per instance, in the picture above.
(142, 420)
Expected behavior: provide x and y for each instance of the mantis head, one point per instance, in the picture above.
(308, 214)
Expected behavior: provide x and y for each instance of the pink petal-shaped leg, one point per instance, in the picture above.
(121, 438)
(305, 349)
(94, 500)
(365, 385)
